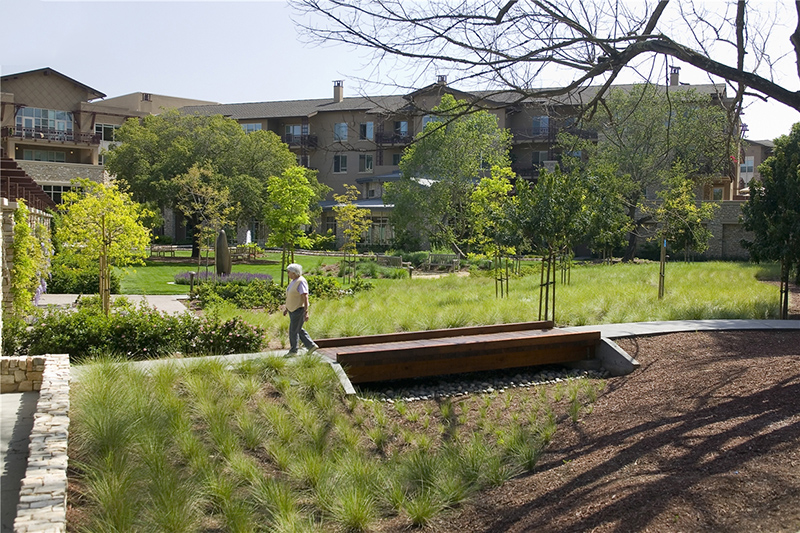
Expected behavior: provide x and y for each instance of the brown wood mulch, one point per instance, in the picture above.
(704, 437)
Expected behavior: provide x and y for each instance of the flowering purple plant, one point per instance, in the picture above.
(241, 278)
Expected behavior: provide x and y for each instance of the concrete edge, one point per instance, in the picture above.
(614, 359)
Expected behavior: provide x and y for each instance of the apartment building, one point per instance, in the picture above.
(56, 129)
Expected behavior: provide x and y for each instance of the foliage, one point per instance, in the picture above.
(31, 266)
(772, 212)
(239, 278)
(287, 211)
(101, 224)
(67, 277)
(203, 198)
(352, 220)
(136, 333)
(681, 217)
(643, 131)
(492, 207)
(250, 294)
(318, 241)
(440, 170)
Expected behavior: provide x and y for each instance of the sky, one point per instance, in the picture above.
(235, 51)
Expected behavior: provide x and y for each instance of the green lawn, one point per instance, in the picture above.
(157, 277)
(597, 294)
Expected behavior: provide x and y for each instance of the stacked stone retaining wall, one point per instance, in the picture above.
(21, 374)
(42, 503)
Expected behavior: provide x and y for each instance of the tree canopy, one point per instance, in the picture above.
(511, 45)
(152, 153)
(440, 170)
(644, 130)
(100, 223)
(772, 212)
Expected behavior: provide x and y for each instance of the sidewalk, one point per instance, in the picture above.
(168, 303)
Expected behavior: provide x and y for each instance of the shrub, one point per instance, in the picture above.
(137, 333)
(257, 293)
(237, 278)
(324, 287)
(68, 278)
(322, 242)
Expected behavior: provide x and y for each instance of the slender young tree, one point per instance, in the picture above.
(352, 220)
(103, 225)
(287, 211)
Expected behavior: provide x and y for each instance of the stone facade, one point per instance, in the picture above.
(21, 374)
(727, 231)
(62, 173)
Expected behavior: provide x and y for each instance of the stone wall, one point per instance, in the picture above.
(45, 172)
(43, 491)
(21, 374)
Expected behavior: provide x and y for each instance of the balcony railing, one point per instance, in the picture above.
(48, 134)
(548, 134)
(309, 141)
(393, 138)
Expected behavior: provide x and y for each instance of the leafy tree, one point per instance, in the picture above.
(151, 153)
(353, 220)
(553, 215)
(287, 211)
(447, 159)
(772, 212)
(203, 197)
(31, 263)
(642, 132)
(681, 217)
(492, 206)
(513, 45)
(100, 224)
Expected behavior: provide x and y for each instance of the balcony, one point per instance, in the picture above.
(393, 138)
(47, 134)
(297, 141)
(532, 134)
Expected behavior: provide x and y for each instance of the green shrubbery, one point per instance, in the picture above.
(131, 332)
(68, 278)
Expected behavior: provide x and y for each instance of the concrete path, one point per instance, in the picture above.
(168, 303)
(16, 422)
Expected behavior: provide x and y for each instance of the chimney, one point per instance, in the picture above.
(674, 76)
(338, 90)
(441, 79)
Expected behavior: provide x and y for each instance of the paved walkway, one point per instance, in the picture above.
(169, 303)
(17, 409)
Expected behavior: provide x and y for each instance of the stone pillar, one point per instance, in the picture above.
(8, 209)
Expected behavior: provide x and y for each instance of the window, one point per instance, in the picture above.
(365, 163)
(366, 131)
(303, 161)
(401, 127)
(51, 123)
(340, 163)
(396, 159)
(250, 128)
(379, 231)
(748, 166)
(147, 97)
(427, 119)
(44, 155)
(293, 129)
(717, 194)
(55, 191)
(340, 131)
(541, 125)
(539, 158)
(106, 131)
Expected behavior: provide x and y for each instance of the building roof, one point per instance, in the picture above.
(300, 108)
(367, 203)
(94, 93)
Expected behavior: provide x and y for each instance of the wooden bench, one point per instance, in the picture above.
(436, 261)
(394, 261)
(163, 249)
(242, 252)
(449, 351)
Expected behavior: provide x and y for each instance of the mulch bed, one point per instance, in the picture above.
(704, 437)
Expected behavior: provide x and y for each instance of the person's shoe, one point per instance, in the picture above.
(291, 354)
(311, 350)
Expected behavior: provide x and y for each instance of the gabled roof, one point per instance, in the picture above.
(300, 108)
(93, 93)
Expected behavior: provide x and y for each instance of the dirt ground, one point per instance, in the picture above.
(704, 437)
